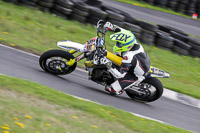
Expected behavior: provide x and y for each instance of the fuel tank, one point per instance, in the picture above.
(114, 58)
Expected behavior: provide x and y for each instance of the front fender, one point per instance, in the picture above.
(71, 45)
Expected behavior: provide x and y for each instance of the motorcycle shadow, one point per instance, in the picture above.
(95, 88)
(121, 99)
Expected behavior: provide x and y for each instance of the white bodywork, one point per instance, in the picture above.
(71, 45)
(155, 72)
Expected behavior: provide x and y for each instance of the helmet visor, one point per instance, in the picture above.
(118, 44)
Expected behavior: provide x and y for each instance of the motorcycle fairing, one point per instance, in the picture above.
(89, 46)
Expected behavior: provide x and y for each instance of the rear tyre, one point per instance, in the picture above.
(54, 61)
(152, 92)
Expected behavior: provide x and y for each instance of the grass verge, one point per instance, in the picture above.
(27, 107)
(34, 31)
(157, 8)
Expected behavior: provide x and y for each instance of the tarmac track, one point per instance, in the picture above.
(26, 66)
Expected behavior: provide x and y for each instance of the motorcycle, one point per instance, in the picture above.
(61, 62)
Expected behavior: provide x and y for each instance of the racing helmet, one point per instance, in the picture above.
(125, 40)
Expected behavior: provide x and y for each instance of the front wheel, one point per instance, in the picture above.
(54, 61)
(149, 90)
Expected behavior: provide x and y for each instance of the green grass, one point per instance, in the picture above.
(34, 31)
(52, 111)
(146, 5)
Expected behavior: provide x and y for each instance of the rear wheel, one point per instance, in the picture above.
(54, 61)
(149, 90)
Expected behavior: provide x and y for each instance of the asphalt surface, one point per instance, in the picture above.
(185, 24)
(26, 66)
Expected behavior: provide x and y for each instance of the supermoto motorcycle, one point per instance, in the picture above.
(61, 62)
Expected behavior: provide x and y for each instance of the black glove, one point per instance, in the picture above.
(101, 52)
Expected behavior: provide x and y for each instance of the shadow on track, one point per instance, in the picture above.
(93, 87)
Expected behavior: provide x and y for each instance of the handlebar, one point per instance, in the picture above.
(100, 28)
(101, 31)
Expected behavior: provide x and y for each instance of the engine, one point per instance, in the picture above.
(101, 75)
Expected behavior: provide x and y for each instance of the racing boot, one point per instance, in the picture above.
(112, 91)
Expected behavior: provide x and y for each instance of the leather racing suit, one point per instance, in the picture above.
(134, 68)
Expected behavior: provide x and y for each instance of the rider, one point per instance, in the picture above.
(135, 64)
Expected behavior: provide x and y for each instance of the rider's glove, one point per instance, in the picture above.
(109, 26)
(109, 65)
(102, 53)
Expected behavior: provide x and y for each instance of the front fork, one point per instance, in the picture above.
(76, 59)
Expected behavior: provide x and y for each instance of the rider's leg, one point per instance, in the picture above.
(129, 79)
(119, 85)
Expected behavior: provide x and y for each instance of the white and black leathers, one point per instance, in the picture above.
(135, 65)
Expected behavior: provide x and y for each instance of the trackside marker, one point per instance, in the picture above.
(194, 16)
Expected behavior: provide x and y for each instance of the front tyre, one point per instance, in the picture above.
(150, 90)
(54, 61)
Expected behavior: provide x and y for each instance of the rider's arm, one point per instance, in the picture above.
(123, 70)
(116, 28)
(113, 27)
